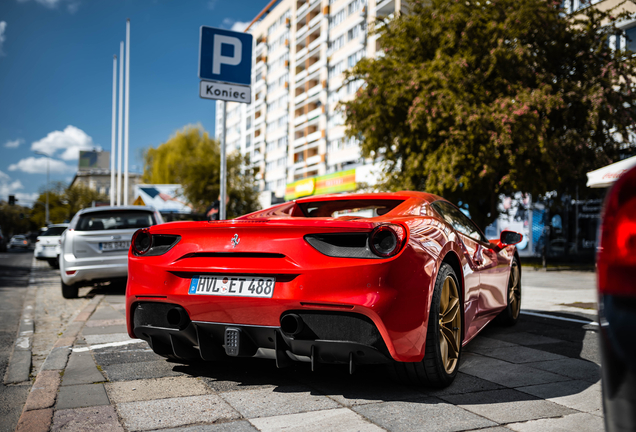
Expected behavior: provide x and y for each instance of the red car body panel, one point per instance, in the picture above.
(394, 293)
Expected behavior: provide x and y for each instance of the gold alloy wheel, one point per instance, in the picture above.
(450, 324)
(514, 290)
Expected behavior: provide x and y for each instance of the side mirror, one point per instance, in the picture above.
(508, 238)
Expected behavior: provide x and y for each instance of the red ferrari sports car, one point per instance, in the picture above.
(399, 278)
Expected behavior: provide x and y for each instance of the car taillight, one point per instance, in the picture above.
(71, 272)
(386, 240)
(141, 241)
(146, 244)
(616, 260)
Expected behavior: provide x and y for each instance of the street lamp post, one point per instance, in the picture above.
(48, 158)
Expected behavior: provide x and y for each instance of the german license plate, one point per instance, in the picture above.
(114, 246)
(233, 286)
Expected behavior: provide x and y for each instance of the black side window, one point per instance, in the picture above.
(458, 220)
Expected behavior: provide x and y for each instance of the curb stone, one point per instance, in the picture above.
(20, 362)
(38, 410)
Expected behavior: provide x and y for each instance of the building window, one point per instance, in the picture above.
(336, 44)
(336, 69)
(355, 31)
(354, 58)
(337, 18)
(356, 5)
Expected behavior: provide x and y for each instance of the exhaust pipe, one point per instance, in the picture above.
(291, 324)
(178, 317)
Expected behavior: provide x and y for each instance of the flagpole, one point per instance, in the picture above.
(113, 133)
(119, 129)
(127, 102)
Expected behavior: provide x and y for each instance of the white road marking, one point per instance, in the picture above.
(108, 345)
(594, 323)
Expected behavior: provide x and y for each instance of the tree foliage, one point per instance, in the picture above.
(14, 219)
(191, 158)
(472, 99)
(64, 202)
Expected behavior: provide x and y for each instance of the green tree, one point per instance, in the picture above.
(191, 158)
(64, 202)
(14, 219)
(472, 99)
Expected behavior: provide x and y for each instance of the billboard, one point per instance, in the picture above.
(166, 198)
(91, 159)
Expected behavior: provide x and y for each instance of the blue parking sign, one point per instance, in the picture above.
(225, 56)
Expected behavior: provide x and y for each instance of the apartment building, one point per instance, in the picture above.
(292, 132)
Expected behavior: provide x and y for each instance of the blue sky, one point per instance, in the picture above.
(56, 79)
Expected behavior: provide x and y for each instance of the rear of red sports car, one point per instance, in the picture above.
(283, 286)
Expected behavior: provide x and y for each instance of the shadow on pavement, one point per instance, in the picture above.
(539, 358)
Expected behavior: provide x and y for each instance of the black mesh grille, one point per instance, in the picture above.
(343, 326)
(342, 245)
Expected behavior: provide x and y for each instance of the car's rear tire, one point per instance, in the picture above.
(69, 291)
(53, 263)
(510, 315)
(439, 366)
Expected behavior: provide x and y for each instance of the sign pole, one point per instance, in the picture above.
(225, 75)
(223, 166)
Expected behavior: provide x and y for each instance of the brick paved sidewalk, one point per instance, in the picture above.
(540, 375)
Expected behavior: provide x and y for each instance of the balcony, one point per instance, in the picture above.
(301, 97)
(313, 160)
(314, 136)
(300, 119)
(301, 10)
(314, 90)
(300, 54)
(301, 75)
(316, 66)
(384, 8)
(300, 141)
(301, 31)
(316, 43)
(315, 20)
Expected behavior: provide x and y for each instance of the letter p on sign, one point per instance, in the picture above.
(218, 58)
(225, 56)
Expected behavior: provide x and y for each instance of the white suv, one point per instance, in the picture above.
(47, 246)
(95, 246)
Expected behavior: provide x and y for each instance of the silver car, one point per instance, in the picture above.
(47, 245)
(95, 246)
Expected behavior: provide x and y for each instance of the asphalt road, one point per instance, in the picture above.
(15, 267)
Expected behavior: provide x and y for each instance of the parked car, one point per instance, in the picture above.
(95, 246)
(404, 279)
(616, 273)
(19, 242)
(47, 245)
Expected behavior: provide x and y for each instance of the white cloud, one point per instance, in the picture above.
(3, 27)
(212, 4)
(32, 165)
(14, 143)
(8, 187)
(235, 25)
(239, 26)
(48, 3)
(26, 199)
(71, 140)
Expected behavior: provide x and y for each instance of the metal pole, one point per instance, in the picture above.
(120, 119)
(223, 173)
(113, 133)
(47, 191)
(127, 112)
